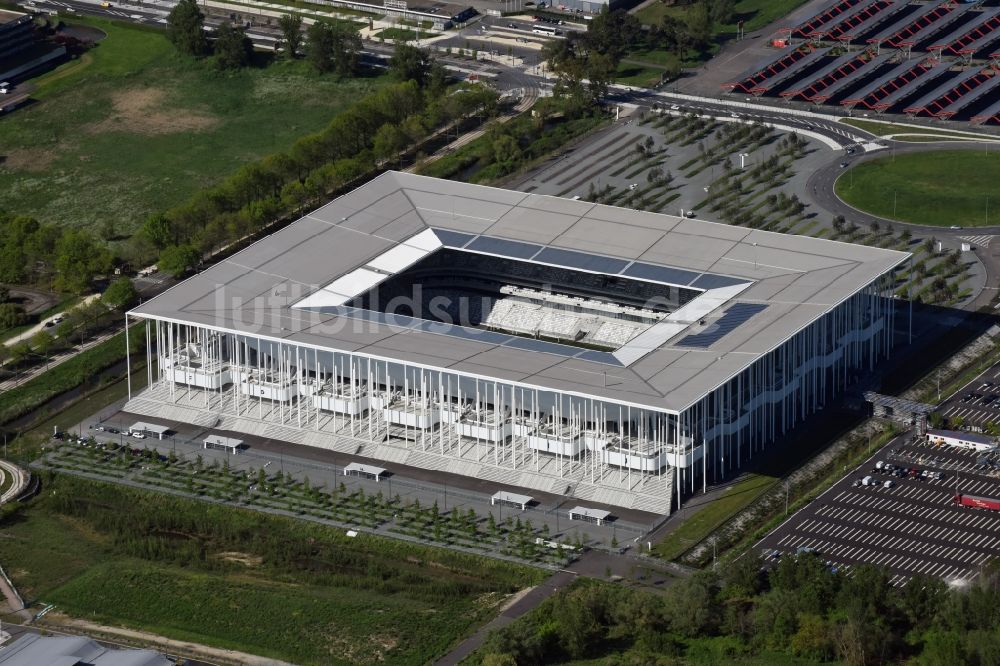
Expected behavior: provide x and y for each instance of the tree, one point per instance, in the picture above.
(42, 342)
(722, 11)
(120, 294)
(389, 141)
(612, 34)
(11, 315)
(185, 28)
(409, 63)
(506, 151)
(291, 32)
(319, 48)
(19, 352)
(699, 25)
(78, 260)
(159, 231)
(233, 49)
(64, 329)
(177, 259)
(346, 49)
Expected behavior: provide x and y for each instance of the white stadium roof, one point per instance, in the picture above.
(758, 288)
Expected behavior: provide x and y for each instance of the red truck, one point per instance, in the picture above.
(977, 502)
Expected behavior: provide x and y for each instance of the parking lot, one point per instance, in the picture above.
(913, 527)
(977, 404)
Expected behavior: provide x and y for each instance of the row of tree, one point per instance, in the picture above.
(330, 46)
(231, 47)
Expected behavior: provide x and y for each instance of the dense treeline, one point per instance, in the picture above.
(193, 534)
(611, 36)
(50, 256)
(374, 128)
(509, 147)
(802, 609)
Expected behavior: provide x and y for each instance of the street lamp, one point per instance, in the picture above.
(743, 157)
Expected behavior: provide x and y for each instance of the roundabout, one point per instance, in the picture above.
(941, 188)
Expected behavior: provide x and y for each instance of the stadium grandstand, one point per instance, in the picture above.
(532, 342)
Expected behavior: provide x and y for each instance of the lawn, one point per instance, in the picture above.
(404, 34)
(632, 74)
(879, 128)
(707, 519)
(247, 581)
(756, 14)
(938, 188)
(131, 128)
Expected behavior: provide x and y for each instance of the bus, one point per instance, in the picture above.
(544, 30)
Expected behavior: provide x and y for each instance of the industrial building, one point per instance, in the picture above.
(35, 650)
(21, 48)
(611, 355)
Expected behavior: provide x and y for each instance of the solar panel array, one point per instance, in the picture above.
(734, 316)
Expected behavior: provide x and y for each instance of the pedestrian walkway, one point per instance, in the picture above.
(978, 241)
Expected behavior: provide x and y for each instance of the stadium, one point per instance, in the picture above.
(615, 356)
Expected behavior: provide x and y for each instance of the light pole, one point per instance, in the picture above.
(743, 157)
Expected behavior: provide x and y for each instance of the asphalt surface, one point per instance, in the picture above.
(977, 403)
(435, 485)
(820, 190)
(911, 528)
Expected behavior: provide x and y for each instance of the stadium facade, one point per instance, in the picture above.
(617, 356)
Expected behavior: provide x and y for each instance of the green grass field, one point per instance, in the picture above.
(247, 581)
(756, 13)
(706, 520)
(632, 74)
(131, 128)
(938, 188)
(404, 34)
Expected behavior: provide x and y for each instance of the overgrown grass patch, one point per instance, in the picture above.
(132, 128)
(243, 580)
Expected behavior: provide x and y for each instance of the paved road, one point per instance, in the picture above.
(820, 190)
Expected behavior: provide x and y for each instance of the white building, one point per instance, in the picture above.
(962, 440)
(620, 356)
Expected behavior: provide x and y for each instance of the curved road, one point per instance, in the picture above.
(820, 188)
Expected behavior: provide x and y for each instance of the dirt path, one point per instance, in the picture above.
(161, 643)
(522, 602)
